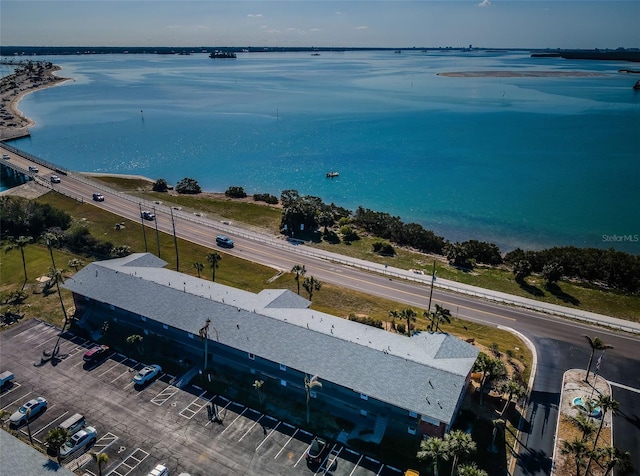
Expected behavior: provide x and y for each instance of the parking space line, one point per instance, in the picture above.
(110, 439)
(43, 343)
(128, 371)
(164, 395)
(44, 331)
(285, 445)
(268, 435)
(392, 468)
(304, 452)
(40, 324)
(380, 470)
(110, 368)
(50, 423)
(124, 463)
(329, 460)
(357, 464)
(193, 403)
(250, 428)
(16, 400)
(217, 413)
(15, 386)
(236, 418)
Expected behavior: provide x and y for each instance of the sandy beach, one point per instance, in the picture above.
(29, 76)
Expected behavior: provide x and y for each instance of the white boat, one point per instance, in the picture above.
(332, 174)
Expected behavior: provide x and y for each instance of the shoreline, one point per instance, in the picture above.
(14, 87)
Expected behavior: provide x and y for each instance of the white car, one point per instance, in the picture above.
(85, 437)
(33, 168)
(55, 179)
(147, 373)
(28, 410)
(159, 470)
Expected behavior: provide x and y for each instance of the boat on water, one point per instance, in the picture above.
(332, 174)
(222, 54)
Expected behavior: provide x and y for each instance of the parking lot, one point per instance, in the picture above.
(187, 429)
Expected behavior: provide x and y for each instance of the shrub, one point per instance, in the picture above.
(235, 192)
(348, 233)
(265, 197)
(369, 321)
(188, 186)
(383, 248)
(160, 185)
(401, 328)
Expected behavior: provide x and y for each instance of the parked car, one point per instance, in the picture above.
(5, 156)
(5, 378)
(96, 353)
(147, 215)
(33, 168)
(73, 424)
(85, 437)
(98, 197)
(159, 470)
(316, 450)
(55, 179)
(146, 374)
(224, 241)
(29, 410)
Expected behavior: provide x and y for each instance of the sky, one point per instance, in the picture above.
(322, 23)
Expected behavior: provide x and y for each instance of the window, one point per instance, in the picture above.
(411, 431)
(112, 307)
(413, 414)
(253, 371)
(363, 412)
(164, 326)
(251, 356)
(312, 394)
(283, 382)
(146, 332)
(283, 367)
(364, 397)
(190, 335)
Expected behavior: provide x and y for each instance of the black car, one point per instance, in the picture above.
(224, 241)
(316, 451)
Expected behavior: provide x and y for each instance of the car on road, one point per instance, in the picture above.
(316, 450)
(5, 156)
(55, 179)
(96, 354)
(98, 197)
(33, 168)
(147, 215)
(224, 241)
(146, 374)
(29, 410)
(159, 470)
(85, 437)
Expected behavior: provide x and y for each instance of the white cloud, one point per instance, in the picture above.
(315, 29)
(484, 3)
(202, 27)
(174, 27)
(264, 27)
(254, 15)
(362, 27)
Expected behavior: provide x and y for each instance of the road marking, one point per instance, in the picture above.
(136, 462)
(285, 445)
(49, 339)
(164, 395)
(220, 411)
(268, 435)
(128, 371)
(250, 428)
(231, 424)
(50, 423)
(16, 400)
(104, 442)
(40, 324)
(196, 404)
(15, 386)
(109, 369)
(357, 464)
(304, 453)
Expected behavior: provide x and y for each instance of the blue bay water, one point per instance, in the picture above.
(519, 161)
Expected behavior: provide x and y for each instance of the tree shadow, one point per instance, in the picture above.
(530, 288)
(554, 289)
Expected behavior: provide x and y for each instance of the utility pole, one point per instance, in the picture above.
(144, 233)
(433, 278)
(157, 235)
(175, 241)
(204, 334)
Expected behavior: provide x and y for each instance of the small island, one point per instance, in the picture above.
(28, 76)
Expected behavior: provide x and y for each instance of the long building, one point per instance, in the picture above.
(382, 381)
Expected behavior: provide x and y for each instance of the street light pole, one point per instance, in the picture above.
(433, 278)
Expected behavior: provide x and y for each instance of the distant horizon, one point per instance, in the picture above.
(540, 24)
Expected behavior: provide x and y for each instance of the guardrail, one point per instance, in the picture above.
(299, 248)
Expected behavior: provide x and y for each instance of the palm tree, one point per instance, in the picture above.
(258, 384)
(435, 450)
(199, 267)
(489, 367)
(498, 425)
(440, 315)
(136, 339)
(393, 315)
(584, 424)
(309, 384)
(300, 270)
(459, 444)
(612, 457)
(578, 449)
(100, 459)
(75, 263)
(20, 243)
(55, 439)
(471, 470)
(511, 388)
(596, 344)
(409, 315)
(606, 403)
(311, 284)
(214, 260)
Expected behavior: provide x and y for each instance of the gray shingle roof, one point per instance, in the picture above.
(424, 373)
(18, 457)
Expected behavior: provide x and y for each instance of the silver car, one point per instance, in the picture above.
(28, 410)
(147, 373)
(85, 437)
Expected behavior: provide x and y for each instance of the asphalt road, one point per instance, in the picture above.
(559, 342)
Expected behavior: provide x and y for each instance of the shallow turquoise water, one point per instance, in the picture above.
(529, 162)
